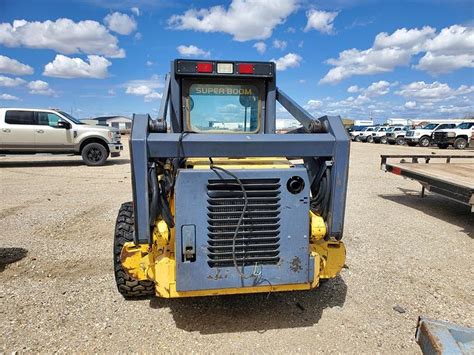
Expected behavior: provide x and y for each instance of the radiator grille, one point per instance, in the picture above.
(258, 240)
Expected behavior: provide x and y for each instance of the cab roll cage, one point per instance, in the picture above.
(324, 137)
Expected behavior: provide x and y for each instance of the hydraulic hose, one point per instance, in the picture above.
(154, 203)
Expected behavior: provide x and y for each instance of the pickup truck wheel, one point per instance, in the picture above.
(128, 287)
(460, 143)
(383, 140)
(425, 141)
(357, 139)
(442, 146)
(370, 139)
(400, 141)
(94, 154)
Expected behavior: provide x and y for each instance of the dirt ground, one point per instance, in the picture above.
(57, 290)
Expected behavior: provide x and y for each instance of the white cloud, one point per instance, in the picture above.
(353, 89)
(312, 105)
(440, 64)
(451, 49)
(153, 96)
(192, 51)
(279, 44)
(412, 39)
(69, 68)
(135, 10)
(39, 87)
(149, 63)
(291, 60)
(378, 88)
(355, 62)
(138, 36)
(13, 66)
(410, 105)
(434, 91)
(244, 19)
(120, 23)
(321, 21)
(139, 90)
(8, 97)
(261, 47)
(145, 88)
(10, 82)
(63, 36)
(111, 92)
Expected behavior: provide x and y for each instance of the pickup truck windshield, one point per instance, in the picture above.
(71, 118)
(465, 125)
(430, 126)
(231, 108)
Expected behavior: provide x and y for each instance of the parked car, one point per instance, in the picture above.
(354, 131)
(459, 137)
(27, 131)
(377, 135)
(422, 136)
(396, 135)
(363, 134)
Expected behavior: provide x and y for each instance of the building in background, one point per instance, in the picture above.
(124, 124)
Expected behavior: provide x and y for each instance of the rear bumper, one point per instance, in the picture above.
(115, 149)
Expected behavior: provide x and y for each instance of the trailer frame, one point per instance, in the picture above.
(457, 191)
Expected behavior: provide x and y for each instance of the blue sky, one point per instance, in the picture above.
(357, 59)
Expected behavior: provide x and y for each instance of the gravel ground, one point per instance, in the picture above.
(57, 217)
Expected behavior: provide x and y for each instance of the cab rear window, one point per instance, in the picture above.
(20, 117)
(229, 107)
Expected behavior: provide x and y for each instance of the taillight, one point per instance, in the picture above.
(245, 68)
(204, 67)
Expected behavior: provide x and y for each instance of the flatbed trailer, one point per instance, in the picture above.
(452, 180)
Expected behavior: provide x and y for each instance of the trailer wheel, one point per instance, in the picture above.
(460, 143)
(400, 141)
(127, 286)
(425, 141)
(442, 145)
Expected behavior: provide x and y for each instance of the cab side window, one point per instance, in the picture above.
(48, 119)
(20, 117)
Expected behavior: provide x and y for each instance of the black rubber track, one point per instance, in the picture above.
(127, 286)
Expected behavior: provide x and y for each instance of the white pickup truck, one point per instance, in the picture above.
(459, 137)
(422, 136)
(29, 131)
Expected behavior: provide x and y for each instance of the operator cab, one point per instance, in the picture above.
(222, 96)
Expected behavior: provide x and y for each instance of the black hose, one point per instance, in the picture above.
(165, 208)
(327, 196)
(154, 203)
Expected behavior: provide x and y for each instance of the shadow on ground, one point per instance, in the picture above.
(437, 206)
(11, 255)
(55, 163)
(254, 312)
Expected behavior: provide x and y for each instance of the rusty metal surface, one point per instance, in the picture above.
(440, 337)
(456, 173)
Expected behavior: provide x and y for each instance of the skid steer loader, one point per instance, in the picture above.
(222, 204)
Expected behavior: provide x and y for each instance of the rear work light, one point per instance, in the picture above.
(205, 67)
(245, 68)
(225, 68)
